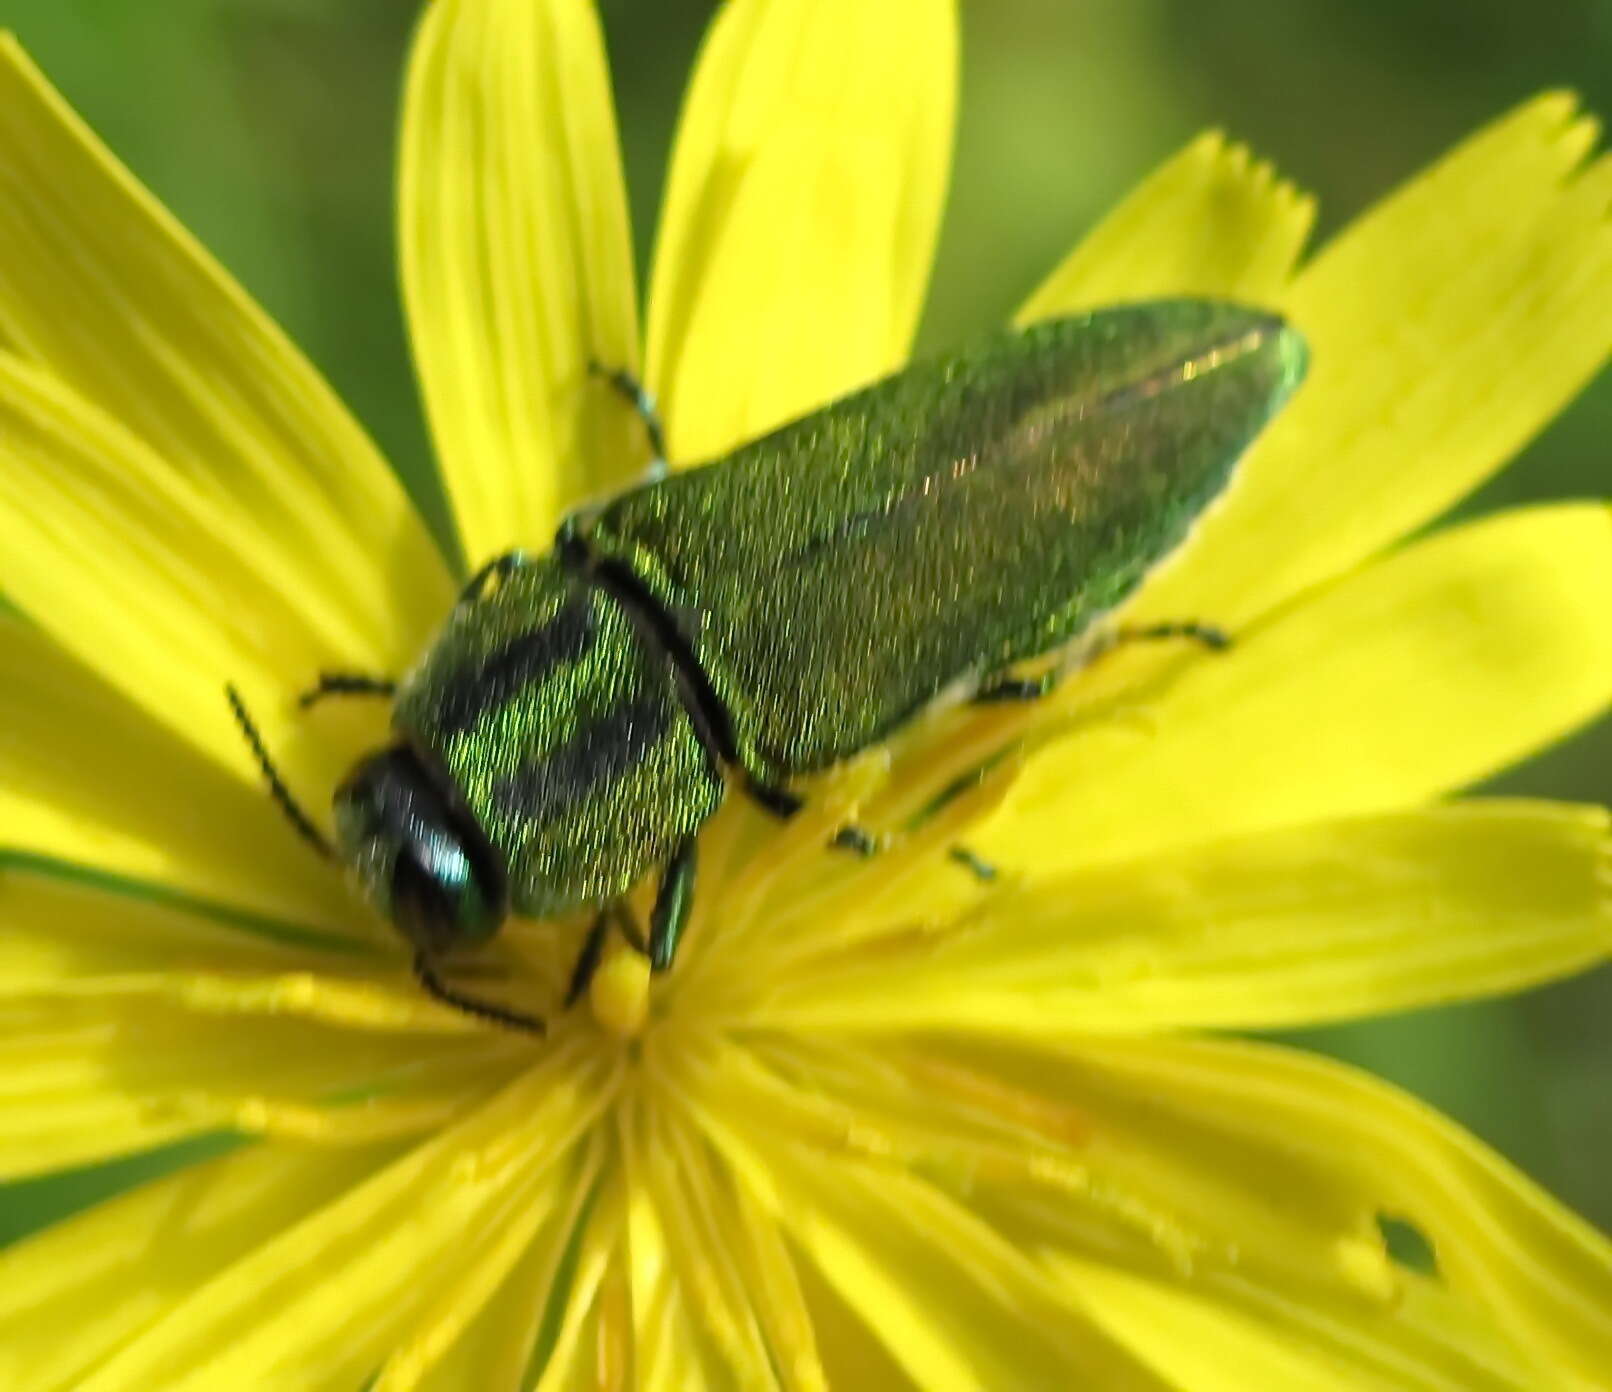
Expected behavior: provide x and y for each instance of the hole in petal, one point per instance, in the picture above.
(1408, 1245)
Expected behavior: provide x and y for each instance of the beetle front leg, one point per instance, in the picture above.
(674, 900)
(587, 962)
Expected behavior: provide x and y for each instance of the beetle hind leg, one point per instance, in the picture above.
(1034, 688)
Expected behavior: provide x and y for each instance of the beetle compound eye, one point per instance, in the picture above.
(418, 859)
(435, 898)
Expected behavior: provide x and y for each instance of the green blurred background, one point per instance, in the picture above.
(267, 125)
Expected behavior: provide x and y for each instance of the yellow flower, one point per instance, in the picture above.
(880, 1126)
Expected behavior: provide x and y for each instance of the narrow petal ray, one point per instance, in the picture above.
(588, 1353)
(1446, 328)
(682, 1186)
(99, 284)
(466, 1325)
(123, 562)
(1542, 1273)
(1426, 671)
(953, 1303)
(665, 1350)
(385, 1250)
(1213, 221)
(1325, 922)
(1042, 1154)
(75, 1293)
(517, 265)
(801, 211)
(77, 1090)
(1216, 1348)
(77, 766)
(64, 934)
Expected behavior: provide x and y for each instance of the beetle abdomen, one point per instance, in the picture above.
(833, 577)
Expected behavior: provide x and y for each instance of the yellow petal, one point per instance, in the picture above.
(1446, 328)
(1324, 922)
(586, 1353)
(1542, 1274)
(78, 766)
(730, 1259)
(64, 933)
(666, 1352)
(74, 1293)
(953, 1303)
(1421, 673)
(94, 1076)
(801, 210)
(481, 1332)
(1037, 1147)
(1214, 1347)
(162, 590)
(517, 267)
(99, 284)
(1213, 221)
(383, 1253)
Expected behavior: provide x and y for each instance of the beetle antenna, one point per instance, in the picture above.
(425, 972)
(277, 788)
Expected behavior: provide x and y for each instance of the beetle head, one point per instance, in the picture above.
(420, 861)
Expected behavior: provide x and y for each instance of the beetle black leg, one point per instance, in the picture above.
(644, 404)
(1034, 688)
(346, 684)
(300, 821)
(782, 803)
(1017, 689)
(981, 869)
(587, 963)
(588, 959)
(857, 840)
(1215, 639)
(425, 971)
(673, 902)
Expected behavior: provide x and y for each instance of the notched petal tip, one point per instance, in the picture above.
(1214, 221)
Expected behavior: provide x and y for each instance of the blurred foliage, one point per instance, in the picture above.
(267, 125)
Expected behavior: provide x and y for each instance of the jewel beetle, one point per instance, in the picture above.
(761, 617)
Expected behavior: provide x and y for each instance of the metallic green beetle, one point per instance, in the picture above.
(774, 612)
